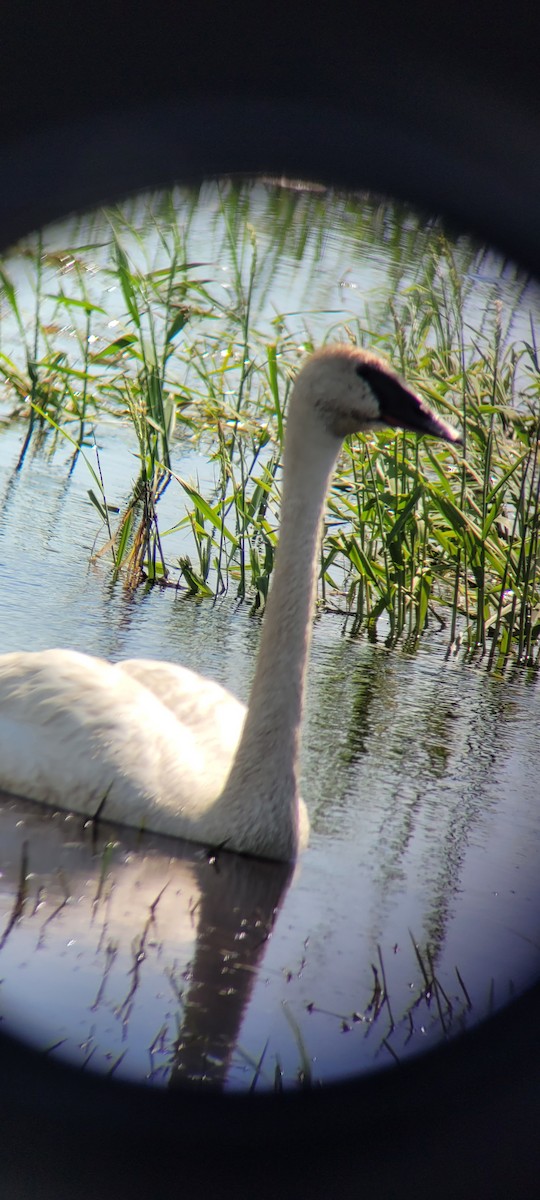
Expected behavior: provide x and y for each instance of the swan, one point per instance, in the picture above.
(154, 745)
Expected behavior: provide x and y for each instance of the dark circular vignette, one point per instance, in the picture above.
(436, 108)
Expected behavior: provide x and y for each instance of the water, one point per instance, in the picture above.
(152, 959)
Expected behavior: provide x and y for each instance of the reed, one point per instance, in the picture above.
(415, 532)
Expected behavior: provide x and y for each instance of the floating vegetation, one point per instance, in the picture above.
(416, 533)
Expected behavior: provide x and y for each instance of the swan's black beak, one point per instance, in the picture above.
(406, 410)
(401, 408)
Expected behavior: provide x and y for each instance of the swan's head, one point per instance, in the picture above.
(352, 390)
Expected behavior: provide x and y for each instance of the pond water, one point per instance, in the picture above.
(414, 911)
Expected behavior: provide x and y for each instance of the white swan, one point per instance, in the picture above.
(151, 744)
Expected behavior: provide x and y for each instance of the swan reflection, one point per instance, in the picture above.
(166, 941)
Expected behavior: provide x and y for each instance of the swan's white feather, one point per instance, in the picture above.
(147, 739)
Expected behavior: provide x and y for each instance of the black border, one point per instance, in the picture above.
(435, 105)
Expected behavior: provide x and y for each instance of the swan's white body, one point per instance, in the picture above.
(145, 738)
(156, 746)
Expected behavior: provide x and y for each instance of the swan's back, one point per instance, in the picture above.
(141, 741)
(195, 700)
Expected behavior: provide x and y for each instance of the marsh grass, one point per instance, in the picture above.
(415, 532)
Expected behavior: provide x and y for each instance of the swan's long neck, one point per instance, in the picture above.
(264, 777)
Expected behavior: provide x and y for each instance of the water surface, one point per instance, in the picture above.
(420, 775)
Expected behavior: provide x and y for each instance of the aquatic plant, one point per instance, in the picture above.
(414, 533)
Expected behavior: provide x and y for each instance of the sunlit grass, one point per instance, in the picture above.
(416, 533)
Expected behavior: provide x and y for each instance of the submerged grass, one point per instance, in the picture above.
(415, 531)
